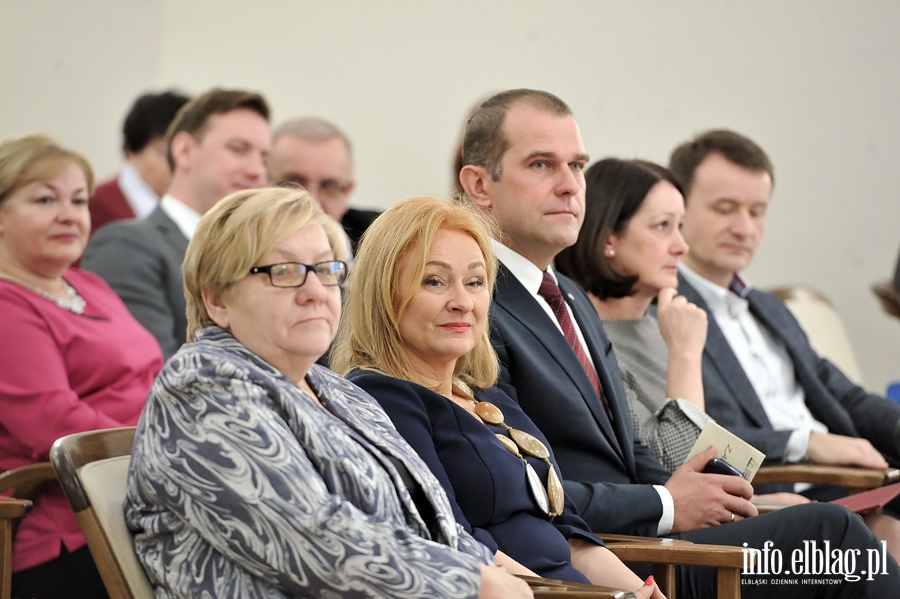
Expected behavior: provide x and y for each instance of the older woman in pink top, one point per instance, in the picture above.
(73, 358)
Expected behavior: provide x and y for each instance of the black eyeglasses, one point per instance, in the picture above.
(293, 274)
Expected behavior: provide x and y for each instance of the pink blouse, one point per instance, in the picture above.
(63, 373)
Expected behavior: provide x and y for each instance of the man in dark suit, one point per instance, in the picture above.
(523, 160)
(317, 155)
(762, 380)
(145, 175)
(217, 144)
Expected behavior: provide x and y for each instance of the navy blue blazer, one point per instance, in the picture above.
(844, 407)
(607, 470)
(486, 484)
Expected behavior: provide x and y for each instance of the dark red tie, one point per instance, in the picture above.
(550, 291)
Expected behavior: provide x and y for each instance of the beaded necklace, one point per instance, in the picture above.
(75, 304)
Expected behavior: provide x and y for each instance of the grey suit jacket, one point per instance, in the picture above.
(606, 470)
(141, 261)
(844, 407)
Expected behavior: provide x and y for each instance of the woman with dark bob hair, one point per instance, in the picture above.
(626, 258)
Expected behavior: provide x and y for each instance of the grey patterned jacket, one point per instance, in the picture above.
(241, 486)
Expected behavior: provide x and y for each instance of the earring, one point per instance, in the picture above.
(610, 252)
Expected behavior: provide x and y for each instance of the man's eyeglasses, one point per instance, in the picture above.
(293, 274)
(328, 189)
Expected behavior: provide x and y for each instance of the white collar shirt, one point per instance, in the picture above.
(531, 277)
(137, 192)
(184, 217)
(765, 361)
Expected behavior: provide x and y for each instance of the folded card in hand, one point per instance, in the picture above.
(729, 447)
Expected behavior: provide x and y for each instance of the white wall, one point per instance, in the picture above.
(815, 82)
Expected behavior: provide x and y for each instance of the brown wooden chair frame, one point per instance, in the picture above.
(665, 554)
(26, 482)
(122, 574)
(11, 509)
(852, 478)
(72, 452)
(545, 588)
(20, 487)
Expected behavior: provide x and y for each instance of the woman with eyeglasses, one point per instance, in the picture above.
(72, 358)
(414, 335)
(258, 473)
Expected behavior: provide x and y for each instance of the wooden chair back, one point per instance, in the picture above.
(93, 469)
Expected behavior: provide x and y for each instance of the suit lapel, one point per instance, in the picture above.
(818, 399)
(523, 307)
(168, 229)
(718, 355)
(604, 359)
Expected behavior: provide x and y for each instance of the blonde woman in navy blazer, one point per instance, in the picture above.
(415, 336)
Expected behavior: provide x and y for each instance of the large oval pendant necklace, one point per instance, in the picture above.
(550, 499)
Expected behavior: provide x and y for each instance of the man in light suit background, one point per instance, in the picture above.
(217, 144)
(761, 378)
(144, 176)
(523, 159)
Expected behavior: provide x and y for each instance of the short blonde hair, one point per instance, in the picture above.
(369, 334)
(237, 234)
(31, 158)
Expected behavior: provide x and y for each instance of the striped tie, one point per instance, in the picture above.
(550, 291)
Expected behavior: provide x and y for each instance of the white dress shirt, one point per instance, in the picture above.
(184, 217)
(765, 361)
(137, 192)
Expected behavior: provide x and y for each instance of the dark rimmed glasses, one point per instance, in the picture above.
(293, 274)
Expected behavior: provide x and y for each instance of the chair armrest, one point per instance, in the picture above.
(549, 588)
(13, 508)
(27, 481)
(665, 554)
(687, 554)
(617, 538)
(840, 476)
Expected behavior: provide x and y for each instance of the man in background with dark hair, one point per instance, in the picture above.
(144, 176)
(218, 144)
